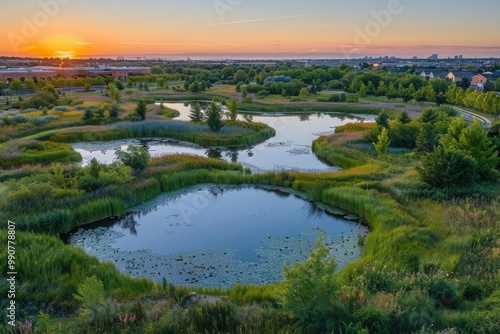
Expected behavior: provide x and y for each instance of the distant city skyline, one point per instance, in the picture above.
(249, 29)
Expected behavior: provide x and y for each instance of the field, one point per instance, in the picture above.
(430, 263)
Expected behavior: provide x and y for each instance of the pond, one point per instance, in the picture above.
(289, 149)
(215, 236)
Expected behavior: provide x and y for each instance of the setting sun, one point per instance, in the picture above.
(60, 46)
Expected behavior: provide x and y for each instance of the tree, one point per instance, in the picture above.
(403, 117)
(113, 92)
(362, 90)
(474, 142)
(214, 117)
(464, 83)
(119, 85)
(113, 110)
(240, 76)
(88, 114)
(382, 145)
(196, 114)
(161, 82)
(16, 85)
(426, 139)
(136, 157)
(310, 288)
(447, 168)
(231, 107)
(141, 109)
(90, 294)
(383, 119)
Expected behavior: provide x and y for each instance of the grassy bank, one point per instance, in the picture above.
(232, 134)
(308, 107)
(19, 153)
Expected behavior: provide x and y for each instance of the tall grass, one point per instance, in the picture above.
(17, 154)
(49, 273)
(232, 134)
(99, 209)
(296, 107)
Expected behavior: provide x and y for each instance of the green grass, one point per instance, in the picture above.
(19, 153)
(305, 107)
(431, 258)
(232, 134)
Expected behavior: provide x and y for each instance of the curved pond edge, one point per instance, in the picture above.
(210, 268)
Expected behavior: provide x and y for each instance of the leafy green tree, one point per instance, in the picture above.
(383, 119)
(475, 143)
(362, 90)
(447, 168)
(304, 93)
(426, 139)
(119, 85)
(382, 145)
(88, 114)
(240, 76)
(141, 109)
(161, 82)
(310, 288)
(16, 85)
(403, 117)
(195, 87)
(232, 108)
(196, 114)
(114, 92)
(214, 117)
(90, 294)
(136, 157)
(114, 110)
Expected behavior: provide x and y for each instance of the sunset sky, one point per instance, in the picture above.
(249, 28)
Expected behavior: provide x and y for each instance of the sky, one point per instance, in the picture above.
(249, 28)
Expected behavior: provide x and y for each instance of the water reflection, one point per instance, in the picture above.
(243, 234)
(290, 149)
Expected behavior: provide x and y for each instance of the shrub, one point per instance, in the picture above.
(61, 108)
(447, 169)
(310, 288)
(136, 157)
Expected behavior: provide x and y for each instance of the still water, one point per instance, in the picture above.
(289, 149)
(219, 235)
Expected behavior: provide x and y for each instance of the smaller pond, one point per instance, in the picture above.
(215, 236)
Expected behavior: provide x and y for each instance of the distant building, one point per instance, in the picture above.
(478, 81)
(51, 72)
(434, 56)
(430, 74)
(458, 75)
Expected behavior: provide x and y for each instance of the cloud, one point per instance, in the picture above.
(277, 18)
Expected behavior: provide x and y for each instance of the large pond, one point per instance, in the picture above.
(220, 235)
(289, 149)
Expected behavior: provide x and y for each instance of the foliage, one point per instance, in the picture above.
(310, 288)
(196, 114)
(214, 117)
(136, 157)
(232, 107)
(383, 119)
(382, 145)
(90, 293)
(447, 168)
(141, 109)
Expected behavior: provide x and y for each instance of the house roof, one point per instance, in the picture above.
(492, 76)
(462, 74)
(435, 71)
